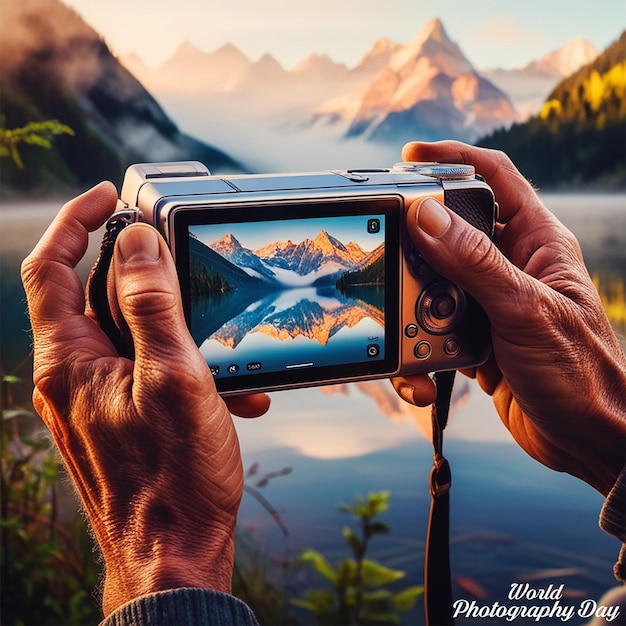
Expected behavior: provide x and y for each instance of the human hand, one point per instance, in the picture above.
(150, 445)
(557, 375)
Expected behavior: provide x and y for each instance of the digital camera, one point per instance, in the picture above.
(295, 280)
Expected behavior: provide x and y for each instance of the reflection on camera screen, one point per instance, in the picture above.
(281, 295)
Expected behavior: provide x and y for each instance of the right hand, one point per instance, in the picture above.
(558, 373)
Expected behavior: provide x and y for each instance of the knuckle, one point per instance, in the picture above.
(30, 270)
(155, 303)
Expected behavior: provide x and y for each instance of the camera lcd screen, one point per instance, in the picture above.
(292, 293)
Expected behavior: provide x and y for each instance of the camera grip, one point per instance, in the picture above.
(474, 205)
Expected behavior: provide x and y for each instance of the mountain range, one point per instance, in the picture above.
(305, 318)
(426, 88)
(311, 262)
(55, 66)
(236, 291)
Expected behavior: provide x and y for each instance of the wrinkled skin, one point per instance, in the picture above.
(150, 445)
(557, 374)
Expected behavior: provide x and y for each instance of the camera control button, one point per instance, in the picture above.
(233, 368)
(440, 308)
(452, 346)
(443, 306)
(422, 350)
(410, 330)
(373, 350)
(215, 370)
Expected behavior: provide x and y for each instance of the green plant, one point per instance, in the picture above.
(259, 578)
(48, 571)
(361, 592)
(34, 134)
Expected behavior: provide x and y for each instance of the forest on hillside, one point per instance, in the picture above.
(579, 137)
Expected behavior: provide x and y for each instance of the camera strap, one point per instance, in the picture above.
(97, 291)
(437, 575)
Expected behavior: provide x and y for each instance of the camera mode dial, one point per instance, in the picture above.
(440, 307)
(446, 171)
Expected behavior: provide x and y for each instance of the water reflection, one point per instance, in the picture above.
(316, 325)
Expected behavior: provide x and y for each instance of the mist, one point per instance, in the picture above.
(264, 147)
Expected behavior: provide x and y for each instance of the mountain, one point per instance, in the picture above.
(289, 264)
(529, 86)
(370, 271)
(424, 89)
(578, 138)
(210, 271)
(427, 89)
(564, 61)
(57, 67)
(323, 254)
(196, 71)
(229, 248)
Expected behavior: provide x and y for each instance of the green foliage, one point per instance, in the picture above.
(48, 571)
(360, 588)
(579, 136)
(255, 580)
(34, 134)
(77, 161)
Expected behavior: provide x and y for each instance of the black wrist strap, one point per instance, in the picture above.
(97, 285)
(437, 577)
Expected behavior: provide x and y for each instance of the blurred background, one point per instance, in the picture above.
(89, 88)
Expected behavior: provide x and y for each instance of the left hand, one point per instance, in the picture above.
(149, 443)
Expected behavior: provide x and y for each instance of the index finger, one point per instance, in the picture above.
(54, 291)
(513, 192)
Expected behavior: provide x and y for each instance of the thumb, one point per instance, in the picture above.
(466, 256)
(148, 296)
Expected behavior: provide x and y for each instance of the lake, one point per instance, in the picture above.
(512, 519)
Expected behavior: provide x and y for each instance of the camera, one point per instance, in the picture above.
(303, 279)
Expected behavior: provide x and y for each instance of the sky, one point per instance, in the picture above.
(253, 236)
(491, 33)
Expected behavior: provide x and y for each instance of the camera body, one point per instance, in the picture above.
(295, 280)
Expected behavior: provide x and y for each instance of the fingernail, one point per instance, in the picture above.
(406, 392)
(139, 243)
(433, 218)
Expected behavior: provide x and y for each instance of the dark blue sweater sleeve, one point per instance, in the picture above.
(183, 607)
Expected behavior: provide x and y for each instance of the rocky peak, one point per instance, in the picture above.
(431, 43)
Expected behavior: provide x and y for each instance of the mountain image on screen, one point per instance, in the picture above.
(284, 290)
